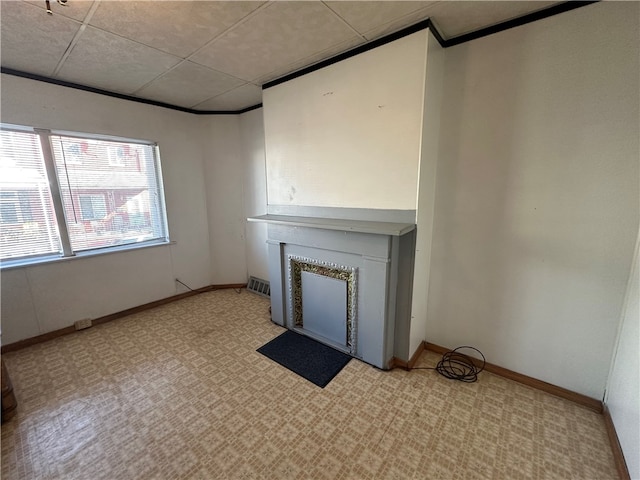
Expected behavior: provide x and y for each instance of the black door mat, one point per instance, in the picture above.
(312, 360)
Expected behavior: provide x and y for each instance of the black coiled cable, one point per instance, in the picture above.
(458, 366)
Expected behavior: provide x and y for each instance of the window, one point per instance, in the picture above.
(93, 207)
(15, 207)
(73, 152)
(8, 207)
(116, 156)
(27, 222)
(61, 194)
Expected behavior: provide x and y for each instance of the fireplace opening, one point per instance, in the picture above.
(323, 301)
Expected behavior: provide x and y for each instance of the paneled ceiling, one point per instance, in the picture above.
(212, 55)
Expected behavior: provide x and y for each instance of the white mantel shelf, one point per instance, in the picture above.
(360, 226)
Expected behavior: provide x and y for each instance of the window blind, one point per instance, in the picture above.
(28, 225)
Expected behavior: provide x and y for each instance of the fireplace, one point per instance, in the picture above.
(342, 281)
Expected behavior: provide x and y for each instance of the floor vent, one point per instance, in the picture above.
(259, 286)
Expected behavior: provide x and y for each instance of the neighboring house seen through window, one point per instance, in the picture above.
(93, 207)
(66, 193)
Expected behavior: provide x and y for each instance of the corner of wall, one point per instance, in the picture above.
(427, 181)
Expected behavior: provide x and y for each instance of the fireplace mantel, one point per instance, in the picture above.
(320, 257)
(360, 226)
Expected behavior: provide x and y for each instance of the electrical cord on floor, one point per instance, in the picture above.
(237, 290)
(458, 366)
(182, 283)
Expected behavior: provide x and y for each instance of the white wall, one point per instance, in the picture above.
(255, 191)
(425, 205)
(224, 177)
(623, 389)
(46, 297)
(348, 135)
(537, 194)
(236, 189)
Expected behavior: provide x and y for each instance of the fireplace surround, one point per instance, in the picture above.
(343, 277)
(322, 307)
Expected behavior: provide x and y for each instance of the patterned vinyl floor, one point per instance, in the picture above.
(180, 392)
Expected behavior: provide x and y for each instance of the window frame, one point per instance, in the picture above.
(44, 135)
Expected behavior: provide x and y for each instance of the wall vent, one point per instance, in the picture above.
(259, 286)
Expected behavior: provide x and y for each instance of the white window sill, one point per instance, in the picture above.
(21, 263)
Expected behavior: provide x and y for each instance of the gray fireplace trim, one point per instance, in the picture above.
(374, 243)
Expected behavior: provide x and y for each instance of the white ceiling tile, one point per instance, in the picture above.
(311, 60)
(275, 37)
(179, 28)
(367, 15)
(398, 24)
(188, 84)
(244, 96)
(76, 9)
(31, 40)
(104, 60)
(453, 18)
